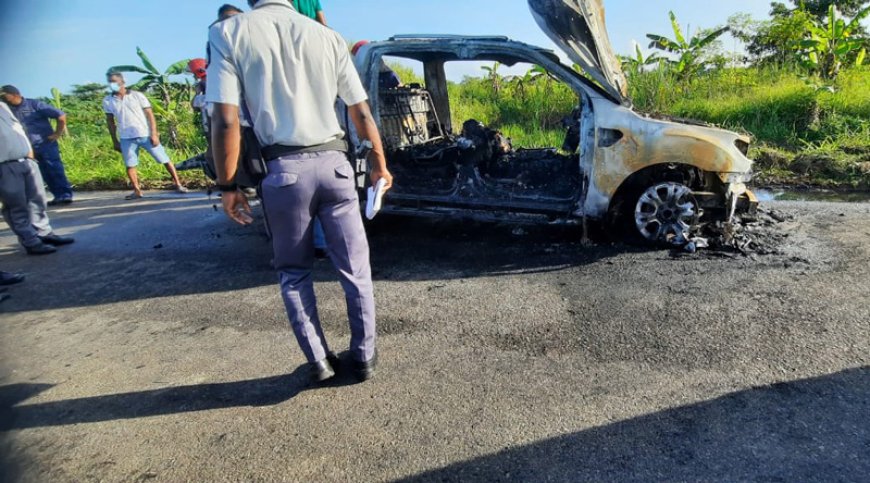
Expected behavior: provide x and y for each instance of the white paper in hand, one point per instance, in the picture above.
(375, 199)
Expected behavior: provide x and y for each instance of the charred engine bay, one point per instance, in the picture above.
(482, 163)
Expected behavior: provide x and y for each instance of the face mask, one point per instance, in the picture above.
(114, 87)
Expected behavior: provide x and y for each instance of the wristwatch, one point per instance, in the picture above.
(227, 188)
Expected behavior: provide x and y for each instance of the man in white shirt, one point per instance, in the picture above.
(22, 191)
(291, 70)
(132, 126)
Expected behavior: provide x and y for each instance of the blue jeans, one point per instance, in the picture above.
(52, 169)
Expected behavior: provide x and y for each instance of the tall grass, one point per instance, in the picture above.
(790, 119)
(92, 162)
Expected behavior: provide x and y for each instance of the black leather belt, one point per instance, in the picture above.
(275, 151)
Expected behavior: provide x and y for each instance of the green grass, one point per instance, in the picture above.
(802, 134)
(92, 163)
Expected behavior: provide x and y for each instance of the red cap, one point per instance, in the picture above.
(358, 46)
(197, 67)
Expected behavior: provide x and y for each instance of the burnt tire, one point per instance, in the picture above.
(664, 213)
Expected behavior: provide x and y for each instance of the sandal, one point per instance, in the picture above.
(134, 196)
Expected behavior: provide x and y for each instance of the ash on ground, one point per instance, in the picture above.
(757, 234)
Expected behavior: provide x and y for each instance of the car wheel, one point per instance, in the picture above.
(666, 213)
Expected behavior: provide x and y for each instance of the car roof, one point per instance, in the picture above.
(425, 46)
(449, 41)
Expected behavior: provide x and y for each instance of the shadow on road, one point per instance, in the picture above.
(184, 246)
(158, 402)
(808, 430)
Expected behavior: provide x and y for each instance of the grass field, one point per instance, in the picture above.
(803, 135)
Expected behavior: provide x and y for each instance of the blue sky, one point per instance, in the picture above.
(58, 43)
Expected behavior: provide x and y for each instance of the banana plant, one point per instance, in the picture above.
(830, 42)
(153, 78)
(637, 62)
(56, 98)
(494, 76)
(520, 83)
(690, 53)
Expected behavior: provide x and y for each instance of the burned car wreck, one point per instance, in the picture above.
(662, 178)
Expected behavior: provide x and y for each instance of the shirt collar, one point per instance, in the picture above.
(282, 3)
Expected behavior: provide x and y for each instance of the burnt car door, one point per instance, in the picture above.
(475, 168)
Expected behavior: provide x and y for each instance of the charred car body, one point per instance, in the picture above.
(661, 177)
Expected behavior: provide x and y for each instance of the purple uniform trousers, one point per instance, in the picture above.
(297, 189)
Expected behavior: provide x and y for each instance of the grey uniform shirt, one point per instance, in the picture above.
(291, 70)
(13, 140)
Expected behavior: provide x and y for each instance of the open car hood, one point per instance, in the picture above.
(577, 26)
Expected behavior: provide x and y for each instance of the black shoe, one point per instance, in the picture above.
(364, 370)
(66, 201)
(56, 240)
(320, 254)
(4, 296)
(321, 371)
(334, 361)
(41, 249)
(54, 202)
(7, 278)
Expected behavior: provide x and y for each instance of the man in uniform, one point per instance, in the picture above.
(291, 70)
(36, 118)
(21, 189)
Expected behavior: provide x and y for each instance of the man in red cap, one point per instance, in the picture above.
(387, 78)
(197, 67)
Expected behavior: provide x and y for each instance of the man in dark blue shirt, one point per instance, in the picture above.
(35, 116)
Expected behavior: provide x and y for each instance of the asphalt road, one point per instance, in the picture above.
(156, 349)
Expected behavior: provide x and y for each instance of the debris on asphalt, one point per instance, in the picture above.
(158, 246)
(749, 234)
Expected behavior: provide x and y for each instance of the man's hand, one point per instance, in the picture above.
(378, 174)
(237, 208)
(117, 145)
(53, 137)
(155, 140)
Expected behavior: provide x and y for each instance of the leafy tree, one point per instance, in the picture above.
(831, 41)
(690, 53)
(820, 8)
(90, 91)
(773, 41)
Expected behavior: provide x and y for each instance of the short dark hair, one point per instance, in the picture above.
(227, 8)
(113, 72)
(10, 89)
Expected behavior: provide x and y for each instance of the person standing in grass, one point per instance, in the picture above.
(311, 9)
(21, 190)
(36, 118)
(132, 126)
